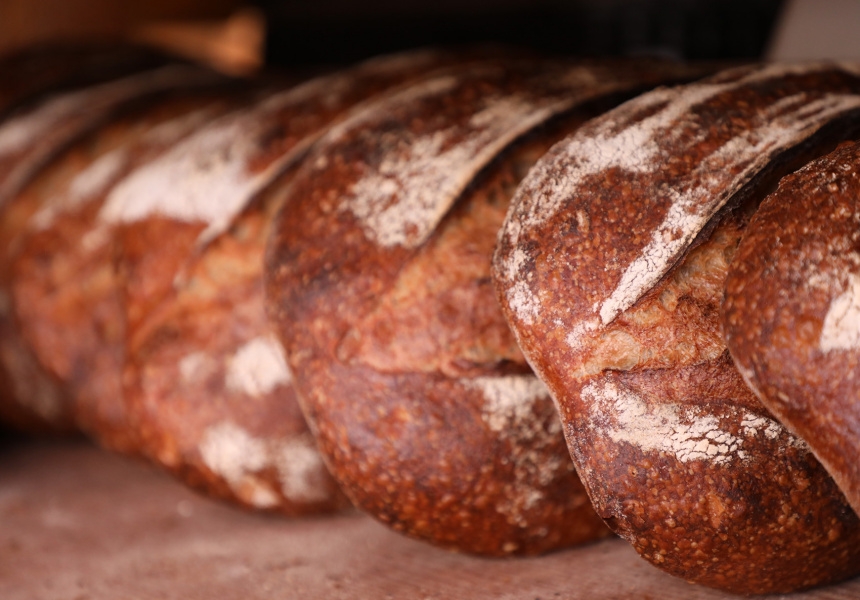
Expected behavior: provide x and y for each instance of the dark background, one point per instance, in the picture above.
(303, 32)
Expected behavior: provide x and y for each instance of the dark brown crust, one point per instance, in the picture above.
(380, 291)
(610, 270)
(790, 310)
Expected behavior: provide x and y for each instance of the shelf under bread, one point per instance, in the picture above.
(77, 523)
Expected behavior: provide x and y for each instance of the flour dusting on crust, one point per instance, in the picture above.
(635, 139)
(841, 328)
(19, 131)
(400, 202)
(203, 179)
(94, 181)
(258, 367)
(240, 459)
(691, 209)
(232, 453)
(300, 465)
(687, 433)
(509, 400)
(511, 410)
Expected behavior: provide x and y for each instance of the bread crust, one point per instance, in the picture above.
(610, 269)
(789, 312)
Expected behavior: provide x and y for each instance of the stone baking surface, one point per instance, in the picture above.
(78, 523)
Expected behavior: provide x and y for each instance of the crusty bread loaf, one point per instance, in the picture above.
(378, 281)
(29, 139)
(610, 269)
(61, 277)
(790, 312)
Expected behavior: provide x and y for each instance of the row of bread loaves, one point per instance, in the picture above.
(137, 207)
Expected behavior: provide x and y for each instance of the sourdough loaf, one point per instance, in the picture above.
(790, 312)
(378, 283)
(61, 277)
(610, 269)
(29, 139)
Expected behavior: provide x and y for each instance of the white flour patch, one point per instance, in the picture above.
(508, 400)
(94, 178)
(94, 181)
(196, 366)
(665, 428)
(634, 149)
(204, 179)
(402, 201)
(83, 187)
(27, 128)
(231, 452)
(579, 331)
(258, 367)
(524, 304)
(683, 432)
(841, 328)
(509, 411)
(300, 467)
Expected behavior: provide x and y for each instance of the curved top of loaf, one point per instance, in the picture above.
(33, 135)
(616, 205)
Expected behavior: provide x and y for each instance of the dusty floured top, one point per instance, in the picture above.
(688, 433)
(241, 459)
(511, 409)
(653, 173)
(95, 180)
(410, 176)
(841, 327)
(212, 176)
(258, 367)
(28, 138)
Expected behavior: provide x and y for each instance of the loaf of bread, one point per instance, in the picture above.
(135, 215)
(610, 269)
(30, 138)
(790, 312)
(378, 283)
(61, 278)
